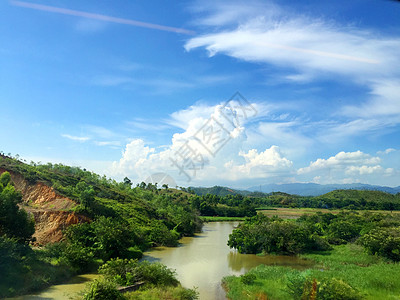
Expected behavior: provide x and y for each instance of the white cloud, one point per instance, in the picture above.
(108, 143)
(341, 160)
(349, 167)
(265, 164)
(285, 39)
(135, 155)
(310, 48)
(384, 101)
(363, 170)
(212, 136)
(387, 151)
(100, 131)
(76, 138)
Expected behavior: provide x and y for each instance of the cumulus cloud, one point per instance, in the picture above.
(342, 160)
(210, 147)
(259, 165)
(347, 167)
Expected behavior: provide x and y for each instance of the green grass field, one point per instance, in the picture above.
(369, 276)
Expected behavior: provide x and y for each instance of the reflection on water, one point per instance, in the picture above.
(66, 291)
(239, 262)
(202, 261)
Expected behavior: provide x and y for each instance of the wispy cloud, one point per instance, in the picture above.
(76, 138)
(108, 143)
(303, 44)
(99, 17)
(307, 49)
(100, 132)
(148, 125)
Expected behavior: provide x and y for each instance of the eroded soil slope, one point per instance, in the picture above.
(52, 212)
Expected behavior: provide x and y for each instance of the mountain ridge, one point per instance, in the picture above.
(301, 189)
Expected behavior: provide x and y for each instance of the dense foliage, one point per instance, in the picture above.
(261, 234)
(14, 222)
(150, 278)
(378, 233)
(125, 221)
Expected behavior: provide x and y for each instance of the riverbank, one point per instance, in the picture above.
(222, 219)
(346, 270)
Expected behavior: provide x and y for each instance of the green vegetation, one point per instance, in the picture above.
(346, 272)
(125, 221)
(153, 280)
(378, 233)
(356, 256)
(339, 199)
(14, 223)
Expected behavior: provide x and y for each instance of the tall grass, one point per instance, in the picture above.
(371, 277)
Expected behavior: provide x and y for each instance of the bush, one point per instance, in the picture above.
(303, 286)
(248, 278)
(382, 241)
(336, 289)
(127, 272)
(101, 289)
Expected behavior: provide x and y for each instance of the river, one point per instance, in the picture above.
(200, 261)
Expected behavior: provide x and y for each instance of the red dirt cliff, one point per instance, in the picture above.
(50, 210)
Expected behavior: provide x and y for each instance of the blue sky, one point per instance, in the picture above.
(85, 83)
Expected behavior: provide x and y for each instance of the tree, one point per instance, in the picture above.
(87, 197)
(127, 182)
(14, 222)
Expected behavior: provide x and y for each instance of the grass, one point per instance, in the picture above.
(294, 213)
(171, 293)
(221, 219)
(371, 276)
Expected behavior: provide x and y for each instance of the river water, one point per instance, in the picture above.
(200, 261)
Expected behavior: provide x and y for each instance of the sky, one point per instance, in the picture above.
(233, 93)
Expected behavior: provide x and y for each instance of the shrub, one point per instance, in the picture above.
(336, 289)
(382, 241)
(248, 278)
(101, 289)
(128, 272)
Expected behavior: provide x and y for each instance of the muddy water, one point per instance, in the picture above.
(69, 290)
(202, 261)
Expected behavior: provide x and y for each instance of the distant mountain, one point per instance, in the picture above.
(218, 190)
(314, 189)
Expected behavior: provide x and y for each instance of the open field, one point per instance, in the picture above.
(294, 213)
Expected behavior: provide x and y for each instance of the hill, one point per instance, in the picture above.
(314, 189)
(58, 196)
(364, 199)
(218, 191)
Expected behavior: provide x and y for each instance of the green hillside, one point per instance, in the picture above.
(363, 199)
(124, 220)
(218, 191)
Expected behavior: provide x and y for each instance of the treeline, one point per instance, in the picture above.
(339, 199)
(379, 234)
(224, 206)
